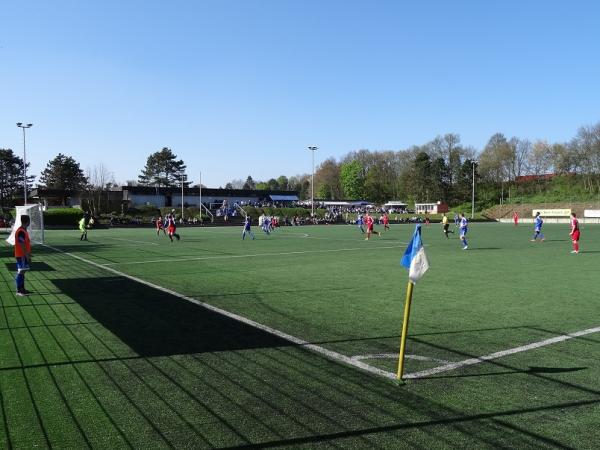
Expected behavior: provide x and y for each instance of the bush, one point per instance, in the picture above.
(62, 216)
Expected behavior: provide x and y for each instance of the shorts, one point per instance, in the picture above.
(446, 226)
(463, 232)
(171, 230)
(575, 235)
(370, 228)
(22, 264)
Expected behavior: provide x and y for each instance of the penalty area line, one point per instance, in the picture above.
(500, 354)
(252, 255)
(330, 354)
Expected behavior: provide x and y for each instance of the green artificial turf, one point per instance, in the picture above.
(96, 359)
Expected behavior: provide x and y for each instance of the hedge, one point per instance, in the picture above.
(62, 216)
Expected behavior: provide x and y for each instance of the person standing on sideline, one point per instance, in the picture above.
(537, 228)
(464, 228)
(575, 232)
(446, 226)
(516, 218)
(22, 255)
(247, 224)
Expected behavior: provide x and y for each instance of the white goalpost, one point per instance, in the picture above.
(36, 226)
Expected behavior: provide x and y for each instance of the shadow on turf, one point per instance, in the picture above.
(35, 266)
(155, 323)
(533, 370)
(396, 336)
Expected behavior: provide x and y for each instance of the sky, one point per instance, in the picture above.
(238, 88)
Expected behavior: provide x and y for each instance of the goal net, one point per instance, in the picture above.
(36, 226)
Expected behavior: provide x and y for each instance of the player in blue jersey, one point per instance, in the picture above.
(464, 227)
(537, 228)
(360, 222)
(247, 223)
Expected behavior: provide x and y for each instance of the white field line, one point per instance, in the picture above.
(252, 255)
(315, 348)
(500, 354)
(129, 240)
(395, 356)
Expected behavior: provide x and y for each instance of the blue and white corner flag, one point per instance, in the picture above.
(415, 259)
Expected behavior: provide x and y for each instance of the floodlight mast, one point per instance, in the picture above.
(473, 163)
(23, 127)
(313, 149)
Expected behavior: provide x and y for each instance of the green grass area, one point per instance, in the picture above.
(94, 358)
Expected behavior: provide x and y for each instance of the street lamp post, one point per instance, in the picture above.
(313, 149)
(183, 178)
(473, 163)
(23, 127)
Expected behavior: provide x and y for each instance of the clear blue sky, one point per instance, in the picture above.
(242, 87)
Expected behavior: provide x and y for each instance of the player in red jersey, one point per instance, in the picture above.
(516, 218)
(172, 227)
(575, 233)
(160, 226)
(386, 222)
(370, 222)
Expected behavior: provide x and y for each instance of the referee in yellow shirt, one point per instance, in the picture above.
(446, 226)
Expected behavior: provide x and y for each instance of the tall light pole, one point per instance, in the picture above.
(473, 163)
(23, 127)
(183, 178)
(313, 149)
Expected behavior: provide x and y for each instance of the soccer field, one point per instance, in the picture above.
(294, 339)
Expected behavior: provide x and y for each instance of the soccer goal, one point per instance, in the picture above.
(36, 226)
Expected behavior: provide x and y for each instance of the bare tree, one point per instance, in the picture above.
(540, 158)
(99, 178)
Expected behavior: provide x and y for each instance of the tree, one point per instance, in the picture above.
(496, 159)
(272, 184)
(327, 180)
(540, 158)
(99, 178)
(235, 184)
(163, 169)
(351, 180)
(376, 188)
(261, 186)
(249, 184)
(282, 181)
(11, 177)
(63, 173)
(422, 177)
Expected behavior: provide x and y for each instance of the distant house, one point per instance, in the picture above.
(56, 197)
(431, 208)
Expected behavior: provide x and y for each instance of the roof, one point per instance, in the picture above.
(396, 203)
(152, 190)
(283, 198)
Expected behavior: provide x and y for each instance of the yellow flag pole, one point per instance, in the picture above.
(409, 291)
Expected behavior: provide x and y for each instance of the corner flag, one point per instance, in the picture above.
(415, 259)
